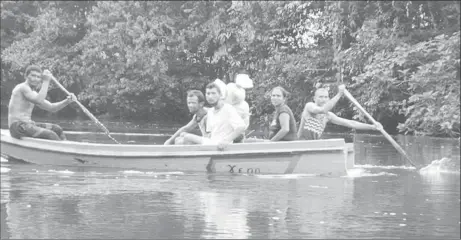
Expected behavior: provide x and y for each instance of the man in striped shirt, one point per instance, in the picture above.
(316, 115)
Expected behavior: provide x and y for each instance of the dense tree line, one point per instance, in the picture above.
(137, 59)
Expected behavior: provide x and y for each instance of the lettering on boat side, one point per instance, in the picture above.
(231, 170)
(241, 170)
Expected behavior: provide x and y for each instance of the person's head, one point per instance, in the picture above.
(195, 100)
(213, 94)
(321, 96)
(278, 96)
(235, 94)
(33, 75)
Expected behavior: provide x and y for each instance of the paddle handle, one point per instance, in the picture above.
(76, 101)
(85, 110)
(386, 135)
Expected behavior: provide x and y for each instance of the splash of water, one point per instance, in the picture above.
(361, 172)
(2, 159)
(444, 165)
(4, 170)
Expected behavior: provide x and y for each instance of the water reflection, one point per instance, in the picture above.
(52, 202)
(226, 218)
(5, 199)
(114, 205)
(407, 200)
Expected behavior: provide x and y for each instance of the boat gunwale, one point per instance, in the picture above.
(65, 147)
(185, 154)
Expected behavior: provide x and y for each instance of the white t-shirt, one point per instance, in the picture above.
(236, 97)
(243, 109)
(223, 123)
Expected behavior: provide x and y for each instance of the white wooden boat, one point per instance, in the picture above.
(330, 157)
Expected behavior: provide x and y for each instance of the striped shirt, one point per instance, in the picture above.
(314, 125)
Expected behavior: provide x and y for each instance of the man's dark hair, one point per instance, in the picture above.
(196, 93)
(214, 85)
(285, 93)
(31, 68)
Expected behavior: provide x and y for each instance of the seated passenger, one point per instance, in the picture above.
(283, 125)
(236, 97)
(195, 103)
(223, 122)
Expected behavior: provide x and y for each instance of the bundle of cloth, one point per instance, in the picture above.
(234, 93)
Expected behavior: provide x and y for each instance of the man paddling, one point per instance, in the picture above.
(195, 103)
(223, 123)
(25, 97)
(317, 114)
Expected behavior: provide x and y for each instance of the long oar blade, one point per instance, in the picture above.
(386, 135)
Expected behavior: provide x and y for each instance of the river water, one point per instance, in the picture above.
(379, 198)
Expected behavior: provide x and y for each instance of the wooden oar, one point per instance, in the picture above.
(86, 111)
(248, 134)
(395, 144)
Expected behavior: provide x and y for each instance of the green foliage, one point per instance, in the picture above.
(434, 106)
(137, 59)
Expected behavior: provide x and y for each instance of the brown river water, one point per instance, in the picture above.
(379, 198)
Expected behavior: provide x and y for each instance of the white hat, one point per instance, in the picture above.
(244, 81)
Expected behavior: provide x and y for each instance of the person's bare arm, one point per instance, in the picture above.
(284, 119)
(301, 127)
(187, 128)
(34, 97)
(352, 124)
(54, 107)
(313, 108)
(204, 133)
(301, 122)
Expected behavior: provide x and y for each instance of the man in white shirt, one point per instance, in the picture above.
(224, 124)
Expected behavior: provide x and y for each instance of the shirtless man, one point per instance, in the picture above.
(23, 100)
(195, 103)
(316, 115)
(223, 123)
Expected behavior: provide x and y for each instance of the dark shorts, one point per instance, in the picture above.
(239, 139)
(50, 131)
(309, 135)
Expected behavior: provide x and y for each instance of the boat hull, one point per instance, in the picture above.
(330, 157)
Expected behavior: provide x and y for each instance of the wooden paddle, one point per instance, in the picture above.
(386, 135)
(86, 111)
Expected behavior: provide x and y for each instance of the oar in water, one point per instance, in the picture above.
(395, 144)
(86, 111)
